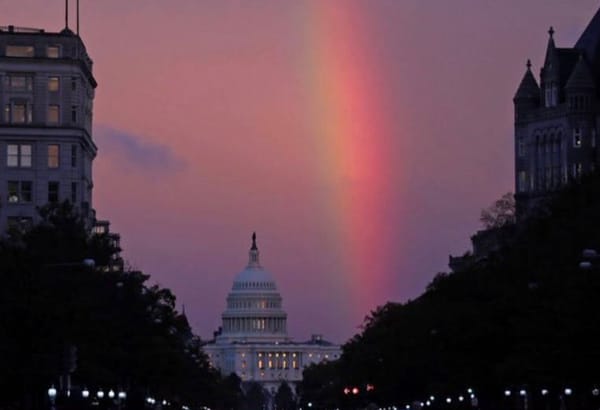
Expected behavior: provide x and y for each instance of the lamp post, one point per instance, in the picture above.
(52, 396)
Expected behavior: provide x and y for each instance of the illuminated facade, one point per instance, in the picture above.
(46, 149)
(253, 341)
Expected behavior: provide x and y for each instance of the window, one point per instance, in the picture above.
(73, 83)
(53, 156)
(53, 191)
(17, 113)
(521, 147)
(522, 183)
(19, 192)
(53, 51)
(593, 141)
(53, 114)
(18, 155)
(74, 114)
(19, 51)
(73, 155)
(577, 170)
(577, 137)
(53, 84)
(18, 82)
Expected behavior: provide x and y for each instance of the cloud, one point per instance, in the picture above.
(135, 152)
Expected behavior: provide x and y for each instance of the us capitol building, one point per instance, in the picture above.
(253, 341)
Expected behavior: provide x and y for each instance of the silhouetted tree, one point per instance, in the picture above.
(284, 398)
(255, 398)
(500, 213)
(107, 328)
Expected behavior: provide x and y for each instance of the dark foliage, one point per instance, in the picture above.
(527, 317)
(107, 328)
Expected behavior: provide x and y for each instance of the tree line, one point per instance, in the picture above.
(522, 322)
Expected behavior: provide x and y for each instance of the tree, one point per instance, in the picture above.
(124, 332)
(284, 398)
(255, 397)
(500, 213)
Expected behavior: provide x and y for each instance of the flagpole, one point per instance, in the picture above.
(66, 13)
(77, 17)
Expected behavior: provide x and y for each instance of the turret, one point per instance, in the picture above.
(527, 97)
(550, 74)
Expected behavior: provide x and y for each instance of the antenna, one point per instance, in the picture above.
(78, 17)
(66, 13)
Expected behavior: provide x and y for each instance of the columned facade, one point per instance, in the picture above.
(253, 341)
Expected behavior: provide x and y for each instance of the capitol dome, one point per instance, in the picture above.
(254, 306)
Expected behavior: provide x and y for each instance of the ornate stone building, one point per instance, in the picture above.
(46, 148)
(557, 120)
(253, 340)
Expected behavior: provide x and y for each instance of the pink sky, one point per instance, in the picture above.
(210, 125)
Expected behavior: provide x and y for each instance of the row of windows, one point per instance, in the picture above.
(24, 83)
(20, 155)
(276, 364)
(254, 304)
(21, 192)
(21, 112)
(548, 178)
(52, 51)
(550, 144)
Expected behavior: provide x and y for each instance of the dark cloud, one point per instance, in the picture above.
(135, 151)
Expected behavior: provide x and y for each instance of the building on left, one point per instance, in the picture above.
(46, 147)
(47, 92)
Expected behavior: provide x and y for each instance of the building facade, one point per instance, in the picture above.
(557, 119)
(46, 147)
(253, 341)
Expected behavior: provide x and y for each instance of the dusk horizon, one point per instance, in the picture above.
(360, 141)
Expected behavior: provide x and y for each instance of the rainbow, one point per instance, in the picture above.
(350, 128)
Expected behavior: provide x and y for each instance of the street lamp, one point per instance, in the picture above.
(52, 396)
(85, 393)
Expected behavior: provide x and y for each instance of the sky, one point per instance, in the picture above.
(359, 139)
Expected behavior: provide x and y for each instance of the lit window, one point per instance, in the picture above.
(295, 364)
(261, 364)
(576, 137)
(53, 51)
(53, 84)
(19, 51)
(17, 113)
(53, 191)
(270, 364)
(19, 191)
(53, 114)
(53, 156)
(18, 155)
